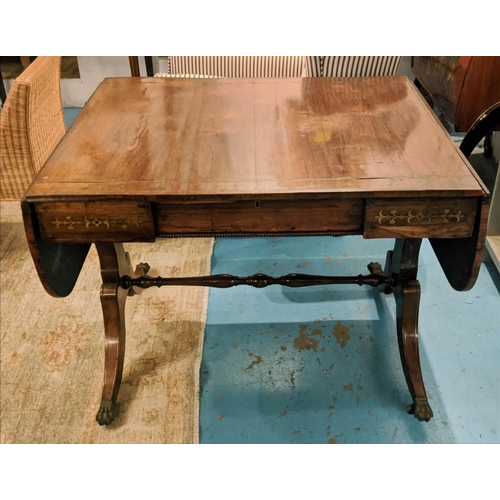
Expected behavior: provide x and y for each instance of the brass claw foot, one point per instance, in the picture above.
(374, 268)
(421, 409)
(142, 268)
(108, 411)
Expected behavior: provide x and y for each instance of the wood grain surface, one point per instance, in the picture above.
(256, 216)
(221, 139)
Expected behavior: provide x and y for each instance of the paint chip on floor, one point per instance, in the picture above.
(256, 361)
(304, 341)
(341, 333)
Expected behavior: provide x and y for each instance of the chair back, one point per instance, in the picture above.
(349, 66)
(31, 125)
(238, 66)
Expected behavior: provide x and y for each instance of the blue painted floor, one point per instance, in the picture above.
(70, 114)
(321, 364)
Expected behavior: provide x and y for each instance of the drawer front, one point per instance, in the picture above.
(260, 216)
(88, 222)
(420, 218)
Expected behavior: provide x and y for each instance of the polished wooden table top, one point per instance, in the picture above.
(213, 138)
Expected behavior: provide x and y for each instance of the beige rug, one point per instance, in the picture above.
(52, 350)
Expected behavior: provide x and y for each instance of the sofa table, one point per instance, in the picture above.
(149, 158)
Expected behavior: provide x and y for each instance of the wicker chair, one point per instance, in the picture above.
(31, 125)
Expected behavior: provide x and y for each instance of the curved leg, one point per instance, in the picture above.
(115, 262)
(407, 304)
(113, 310)
(402, 262)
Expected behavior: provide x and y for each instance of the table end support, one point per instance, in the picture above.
(402, 262)
(114, 262)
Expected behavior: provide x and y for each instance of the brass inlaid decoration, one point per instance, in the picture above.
(92, 222)
(445, 217)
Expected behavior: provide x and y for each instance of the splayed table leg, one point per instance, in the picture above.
(114, 263)
(402, 262)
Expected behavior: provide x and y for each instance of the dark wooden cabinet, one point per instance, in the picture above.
(463, 87)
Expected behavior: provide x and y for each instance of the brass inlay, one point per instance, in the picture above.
(410, 217)
(91, 222)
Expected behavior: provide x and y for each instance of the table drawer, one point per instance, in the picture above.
(420, 218)
(260, 216)
(87, 222)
